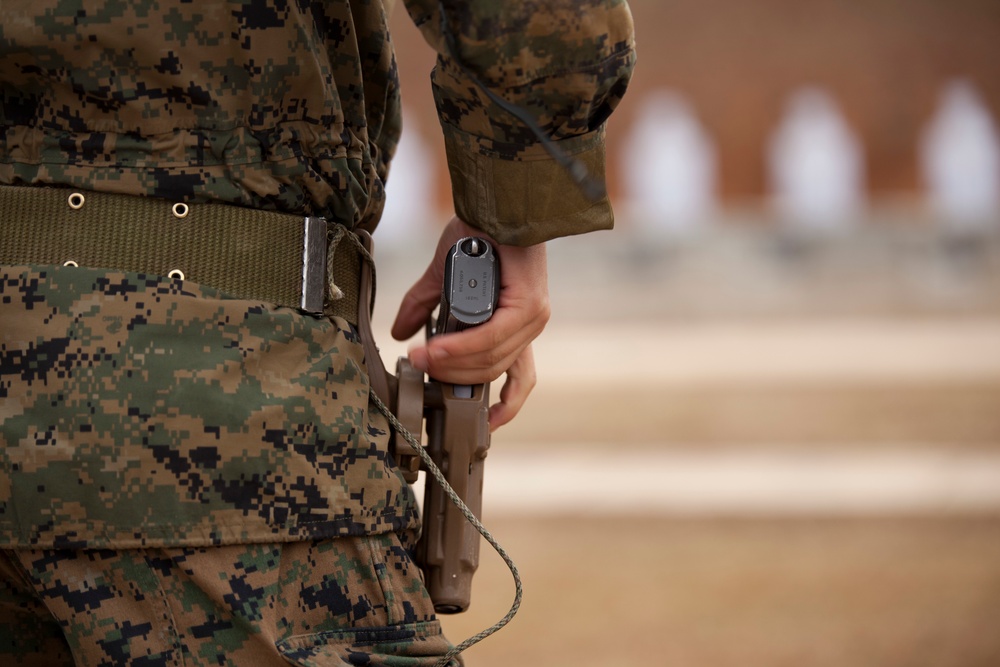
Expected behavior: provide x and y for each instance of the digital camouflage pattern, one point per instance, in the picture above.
(293, 105)
(136, 410)
(144, 419)
(260, 103)
(567, 63)
(350, 601)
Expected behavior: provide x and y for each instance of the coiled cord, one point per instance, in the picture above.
(436, 473)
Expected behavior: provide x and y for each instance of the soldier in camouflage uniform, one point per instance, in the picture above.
(191, 477)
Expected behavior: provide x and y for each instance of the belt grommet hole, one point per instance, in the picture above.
(76, 201)
(70, 262)
(180, 210)
(176, 274)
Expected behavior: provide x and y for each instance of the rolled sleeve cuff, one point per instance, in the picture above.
(519, 195)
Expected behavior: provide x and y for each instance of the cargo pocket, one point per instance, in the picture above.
(405, 645)
(369, 607)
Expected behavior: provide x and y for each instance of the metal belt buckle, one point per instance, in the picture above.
(314, 264)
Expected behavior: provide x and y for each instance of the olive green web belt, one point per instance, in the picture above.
(250, 254)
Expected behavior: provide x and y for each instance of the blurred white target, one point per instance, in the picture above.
(409, 207)
(669, 164)
(816, 164)
(960, 159)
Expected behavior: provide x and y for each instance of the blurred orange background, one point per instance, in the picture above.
(767, 425)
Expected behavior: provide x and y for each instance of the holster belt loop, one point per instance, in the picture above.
(247, 253)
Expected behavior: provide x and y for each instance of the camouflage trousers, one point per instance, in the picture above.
(188, 478)
(343, 601)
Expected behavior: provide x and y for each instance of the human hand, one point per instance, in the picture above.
(501, 345)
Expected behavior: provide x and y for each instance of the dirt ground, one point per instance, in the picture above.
(952, 415)
(747, 593)
(634, 591)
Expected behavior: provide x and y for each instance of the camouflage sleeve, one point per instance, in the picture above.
(567, 63)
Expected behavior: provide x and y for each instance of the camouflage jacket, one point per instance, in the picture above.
(294, 106)
(136, 410)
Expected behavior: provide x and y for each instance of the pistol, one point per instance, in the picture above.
(458, 433)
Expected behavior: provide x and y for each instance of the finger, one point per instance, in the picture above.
(480, 354)
(513, 326)
(521, 380)
(425, 294)
(416, 307)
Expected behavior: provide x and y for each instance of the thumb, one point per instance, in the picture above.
(417, 305)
